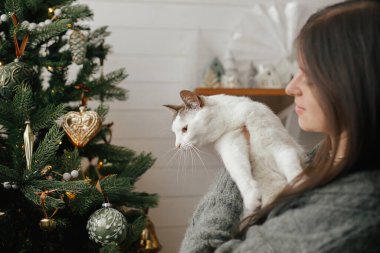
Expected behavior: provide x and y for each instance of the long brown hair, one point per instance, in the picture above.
(339, 47)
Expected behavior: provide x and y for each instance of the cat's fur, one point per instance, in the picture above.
(256, 149)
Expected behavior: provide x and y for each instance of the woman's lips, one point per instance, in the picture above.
(299, 110)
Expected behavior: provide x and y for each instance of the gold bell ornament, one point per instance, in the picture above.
(148, 239)
(48, 224)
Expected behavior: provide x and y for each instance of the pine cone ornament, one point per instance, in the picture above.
(78, 47)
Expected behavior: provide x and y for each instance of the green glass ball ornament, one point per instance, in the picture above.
(14, 73)
(107, 225)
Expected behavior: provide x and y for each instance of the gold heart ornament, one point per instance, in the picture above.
(81, 126)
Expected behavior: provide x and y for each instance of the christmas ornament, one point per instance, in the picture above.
(214, 74)
(66, 176)
(29, 139)
(230, 78)
(48, 224)
(78, 47)
(81, 126)
(70, 195)
(7, 185)
(148, 239)
(4, 17)
(211, 80)
(14, 73)
(73, 174)
(2, 215)
(107, 225)
(252, 73)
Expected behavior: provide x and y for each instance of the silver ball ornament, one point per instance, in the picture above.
(66, 176)
(32, 26)
(4, 17)
(57, 12)
(107, 225)
(7, 185)
(74, 173)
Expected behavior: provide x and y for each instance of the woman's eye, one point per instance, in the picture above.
(184, 129)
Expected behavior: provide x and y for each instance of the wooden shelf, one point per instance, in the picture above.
(276, 99)
(241, 91)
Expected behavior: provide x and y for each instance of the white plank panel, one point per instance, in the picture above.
(146, 68)
(174, 211)
(141, 123)
(149, 96)
(165, 15)
(151, 41)
(170, 238)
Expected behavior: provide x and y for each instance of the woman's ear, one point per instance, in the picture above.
(191, 99)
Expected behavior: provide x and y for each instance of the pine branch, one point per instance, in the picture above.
(39, 36)
(14, 6)
(45, 117)
(6, 119)
(70, 186)
(110, 248)
(86, 200)
(31, 193)
(22, 104)
(97, 37)
(135, 229)
(76, 12)
(7, 174)
(105, 87)
(89, 68)
(33, 4)
(111, 152)
(45, 153)
(135, 199)
(70, 160)
(138, 166)
(102, 111)
(113, 185)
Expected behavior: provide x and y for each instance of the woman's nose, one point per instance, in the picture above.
(292, 89)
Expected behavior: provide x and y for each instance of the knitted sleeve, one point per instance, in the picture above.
(215, 218)
(341, 217)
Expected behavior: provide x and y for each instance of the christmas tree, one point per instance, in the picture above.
(59, 172)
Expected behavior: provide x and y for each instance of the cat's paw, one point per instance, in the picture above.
(252, 200)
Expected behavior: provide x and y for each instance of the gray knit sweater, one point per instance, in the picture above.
(343, 216)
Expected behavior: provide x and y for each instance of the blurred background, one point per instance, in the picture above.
(167, 46)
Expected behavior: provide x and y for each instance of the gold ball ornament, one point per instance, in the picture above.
(47, 224)
(81, 126)
(107, 225)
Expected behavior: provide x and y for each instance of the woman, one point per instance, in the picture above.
(334, 205)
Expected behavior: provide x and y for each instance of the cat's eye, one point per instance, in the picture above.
(184, 129)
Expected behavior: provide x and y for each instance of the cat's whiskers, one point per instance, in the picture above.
(174, 155)
(196, 151)
(192, 149)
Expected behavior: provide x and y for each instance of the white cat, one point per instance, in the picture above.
(256, 149)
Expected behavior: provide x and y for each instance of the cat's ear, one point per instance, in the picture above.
(191, 99)
(174, 108)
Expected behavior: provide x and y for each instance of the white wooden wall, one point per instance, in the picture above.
(165, 46)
